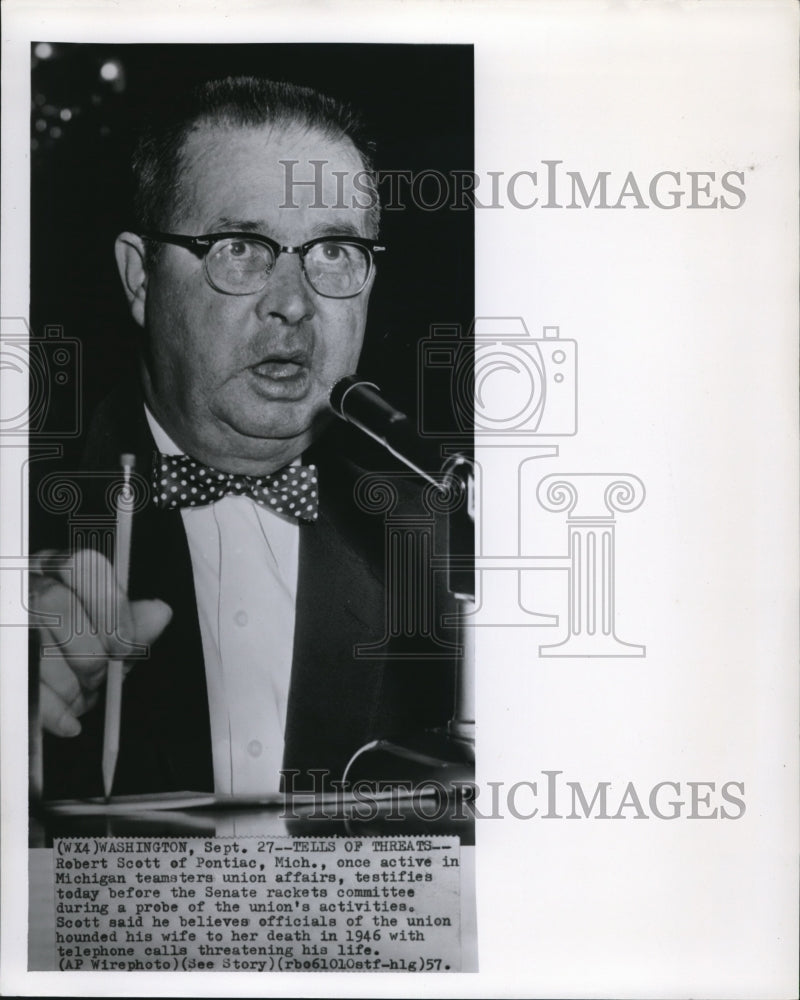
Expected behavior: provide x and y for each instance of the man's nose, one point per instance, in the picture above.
(286, 295)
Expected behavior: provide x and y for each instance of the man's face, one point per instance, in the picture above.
(241, 382)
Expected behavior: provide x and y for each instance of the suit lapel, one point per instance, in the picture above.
(334, 696)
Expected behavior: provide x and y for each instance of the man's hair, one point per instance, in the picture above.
(233, 102)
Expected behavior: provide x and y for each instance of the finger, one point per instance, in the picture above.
(55, 672)
(66, 680)
(150, 617)
(92, 578)
(70, 688)
(46, 562)
(83, 702)
(73, 632)
(56, 715)
(97, 618)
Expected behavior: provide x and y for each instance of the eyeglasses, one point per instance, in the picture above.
(337, 267)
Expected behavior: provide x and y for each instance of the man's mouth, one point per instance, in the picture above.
(282, 375)
(282, 366)
(279, 369)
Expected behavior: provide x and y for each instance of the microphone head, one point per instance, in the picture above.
(360, 403)
(342, 388)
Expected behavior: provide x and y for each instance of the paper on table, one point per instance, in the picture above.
(200, 800)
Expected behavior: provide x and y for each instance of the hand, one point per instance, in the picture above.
(82, 590)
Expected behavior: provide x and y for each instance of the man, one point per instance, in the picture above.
(252, 300)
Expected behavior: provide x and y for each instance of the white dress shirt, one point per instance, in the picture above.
(244, 561)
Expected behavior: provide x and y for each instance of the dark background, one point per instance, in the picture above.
(418, 103)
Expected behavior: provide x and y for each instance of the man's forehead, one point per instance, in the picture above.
(236, 171)
(265, 146)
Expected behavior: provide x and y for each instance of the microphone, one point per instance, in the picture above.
(360, 402)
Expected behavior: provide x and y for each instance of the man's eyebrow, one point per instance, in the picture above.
(339, 229)
(225, 224)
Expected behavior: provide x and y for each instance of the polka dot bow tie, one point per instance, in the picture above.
(180, 481)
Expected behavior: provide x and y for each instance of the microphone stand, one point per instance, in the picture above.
(441, 760)
(461, 585)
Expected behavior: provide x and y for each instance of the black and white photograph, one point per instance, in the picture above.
(399, 479)
(219, 410)
(265, 610)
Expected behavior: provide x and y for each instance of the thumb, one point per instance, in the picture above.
(150, 617)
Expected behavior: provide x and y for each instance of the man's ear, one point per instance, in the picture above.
(129, 250)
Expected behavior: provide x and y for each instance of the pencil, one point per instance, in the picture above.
(122, 559)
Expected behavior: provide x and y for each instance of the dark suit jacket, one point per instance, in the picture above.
(337, 701)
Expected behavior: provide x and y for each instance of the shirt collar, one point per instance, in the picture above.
(163, 441)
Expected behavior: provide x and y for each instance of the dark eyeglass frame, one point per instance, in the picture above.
(200, 246)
